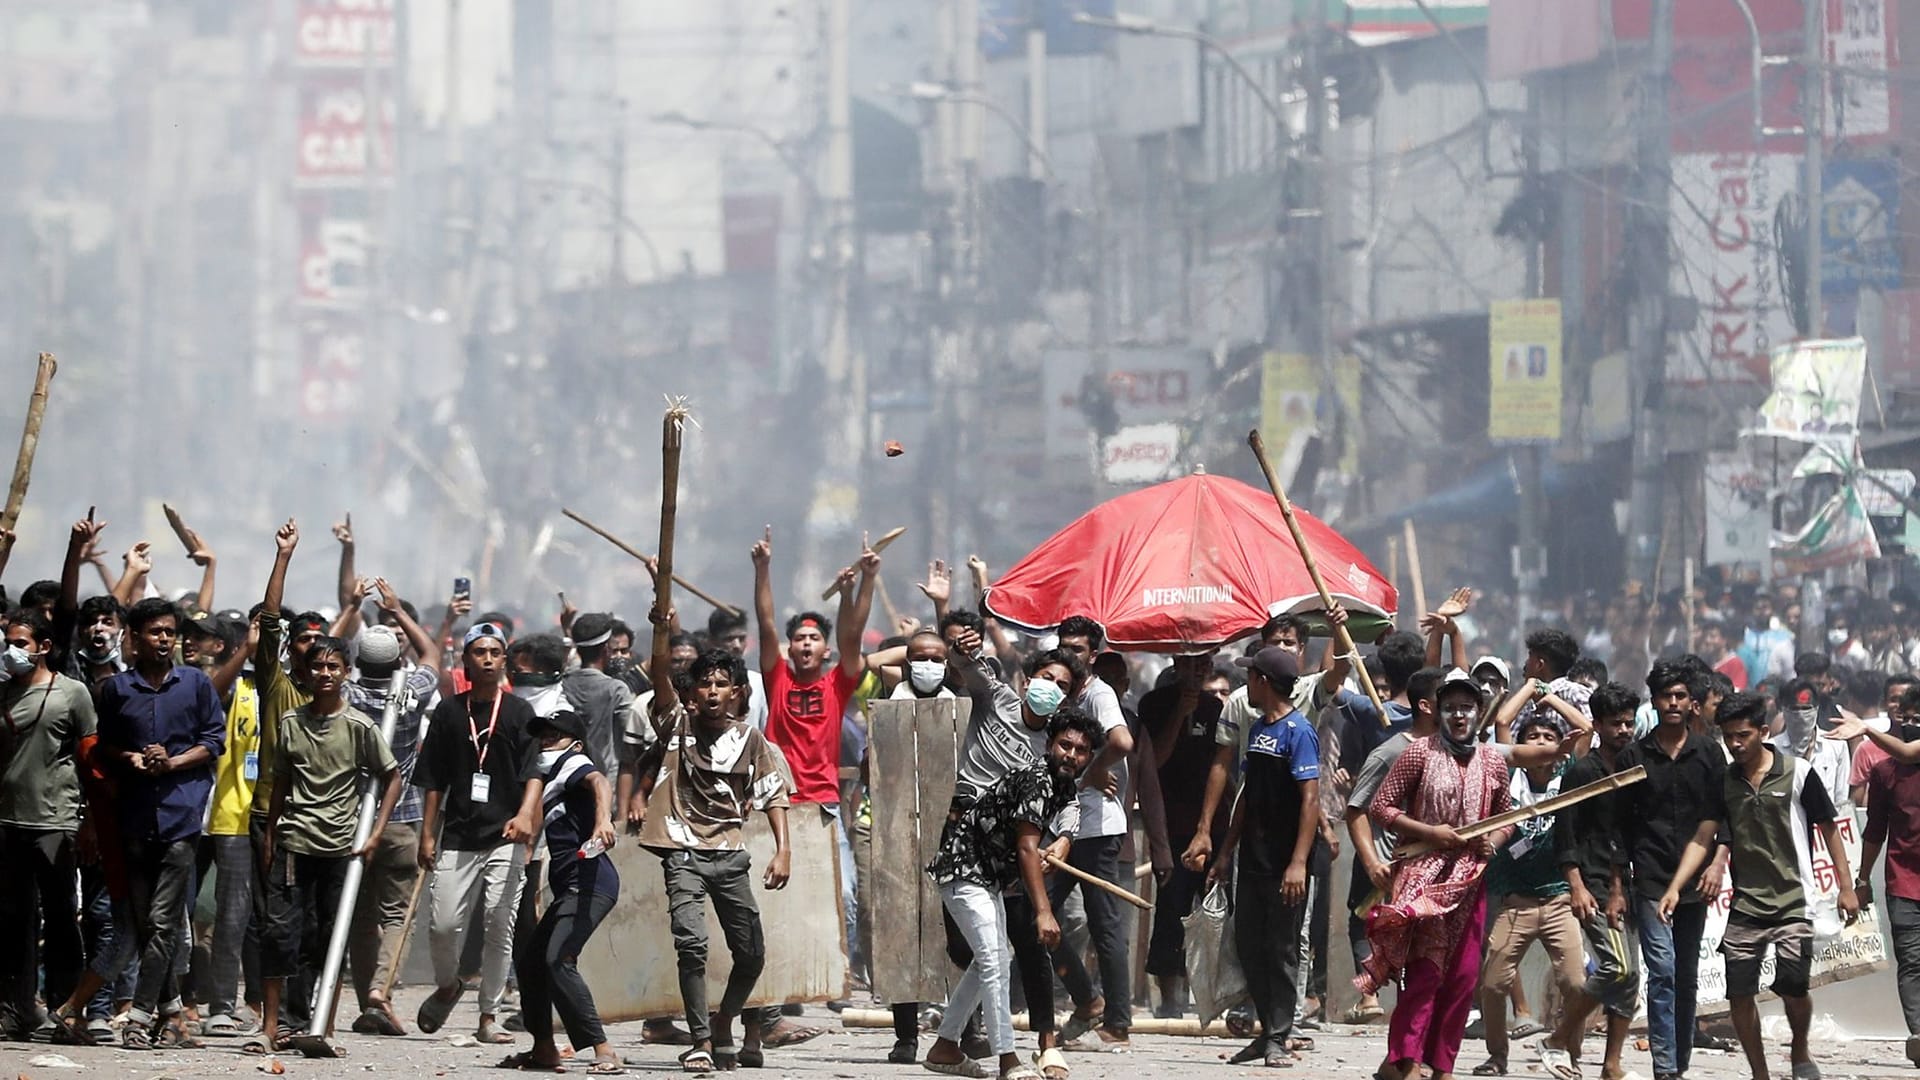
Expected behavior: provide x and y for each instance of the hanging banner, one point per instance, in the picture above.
(1739, 525)
(1839, 534)
(1523, 404)
(1724, 206)
(345, 33)
(1859, 223)
(1816, 390)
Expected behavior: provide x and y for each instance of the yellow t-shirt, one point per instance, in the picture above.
(239, 765)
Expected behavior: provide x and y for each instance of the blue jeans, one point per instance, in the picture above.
(1670, 956)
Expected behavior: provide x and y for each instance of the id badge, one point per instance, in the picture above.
(250, 769)
(1525, 845)
(482, 787)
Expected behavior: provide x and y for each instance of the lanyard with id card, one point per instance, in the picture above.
(482, 784)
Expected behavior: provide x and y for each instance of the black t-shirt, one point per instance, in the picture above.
(1183, 779)
(450, 756)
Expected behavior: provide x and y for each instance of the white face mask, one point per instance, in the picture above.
(549, 757)
(926, 675)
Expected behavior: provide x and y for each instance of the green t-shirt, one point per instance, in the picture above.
(322, 759)
(279, 695)
(42, 729)
(1530, 863)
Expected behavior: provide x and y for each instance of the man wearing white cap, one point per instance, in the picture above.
(391, 869)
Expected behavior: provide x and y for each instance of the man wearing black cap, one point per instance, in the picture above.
(602, 702)
(1272, 829)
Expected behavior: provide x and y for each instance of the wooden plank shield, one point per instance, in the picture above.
(630, 962)
(912, 750)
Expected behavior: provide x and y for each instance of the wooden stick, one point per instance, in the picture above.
(879, 545)
(1686, 598)
(886, 603)
(670, 428)
(1097, 882)
(635, 552)
(29, 442)
(1342, 639)
(1393, 568)
(1413, 568)
(406, 931)
(188, 538)
(1611, 782)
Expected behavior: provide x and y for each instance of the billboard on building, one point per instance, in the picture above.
(334, 149)
(1523, 402)
(1723, 213)
(344, 33)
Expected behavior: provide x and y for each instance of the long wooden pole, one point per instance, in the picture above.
(1342, 640)
(670, 427)
(29, 441)
(1611, 782)
(635, 552)
(1097, 882)
(1393, 569)
(1413, 568)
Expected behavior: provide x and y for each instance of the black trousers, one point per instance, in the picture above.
(547, 959)
(158, 875)
(1106, 924)
(693, 877)
(303, 899)
(1320, 868)
(1266, 932)
(1167, 947)
(37, 903)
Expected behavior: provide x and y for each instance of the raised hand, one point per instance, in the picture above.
(389, 600)
(139, 558)
(939, 584)
(286, 538)
(343, 531)
(763, 549)
(1456, 605)
(869, 558)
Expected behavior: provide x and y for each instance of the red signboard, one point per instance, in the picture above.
(334, 144)
(344, 33)
(331, 356)
(333, 258)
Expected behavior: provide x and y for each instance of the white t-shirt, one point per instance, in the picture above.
(1239, 716)
(1099, 815)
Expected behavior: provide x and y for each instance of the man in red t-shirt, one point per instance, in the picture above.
(806, 699)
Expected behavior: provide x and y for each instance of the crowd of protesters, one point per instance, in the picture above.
(481, 771)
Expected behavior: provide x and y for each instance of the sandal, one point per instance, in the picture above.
(177, 1037)
(1252, 1052)
(793, 1035)
(966, 1067)
(1356, 1015)
(1022, 1071)
(603, 1067)
(753, 1057)
(696, 1060)
(488, 1034)
(438, 1006)
(1559, 1063)
(258, 1047)
(136, 1036)
(1052, 1064)
(378, 1020)
(1490, 1067)
(524, 1061)
(71, 1031)
(1298, 1042)
(1526, 1028)
(1279, 1059)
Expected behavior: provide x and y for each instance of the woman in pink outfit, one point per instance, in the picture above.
(1429, 932)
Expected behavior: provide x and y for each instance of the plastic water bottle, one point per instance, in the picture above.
(592, 848)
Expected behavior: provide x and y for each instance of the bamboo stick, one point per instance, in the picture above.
(635, 552)
(1612, 782)
(1097, 882)
(670, 427)
(29, 442)
(879, 546)
(1342, 639)
(1413, 568)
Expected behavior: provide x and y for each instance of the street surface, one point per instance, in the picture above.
(1341, 1052)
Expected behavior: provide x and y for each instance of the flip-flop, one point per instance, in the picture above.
(1022, 1071)
(606, 1068)
(1250, 1053)
(316, 1046)
(1052, 1064)
(1490, 1067)
(966, 1067)
(488, 1035)
(378, 1020)
(696, 1061)
(1280, 1059)
(258, 1047)
(436, 1008)
(793, 1036)
(1298, 1042)
(1526, 1029)
(71, 1031)
(1356, 1015)
(1559, 1063)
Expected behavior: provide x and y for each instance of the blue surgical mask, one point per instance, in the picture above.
(1044, 697)
(16, 661)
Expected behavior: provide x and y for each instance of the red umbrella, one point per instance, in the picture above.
(1187, 565)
